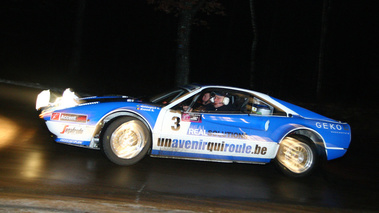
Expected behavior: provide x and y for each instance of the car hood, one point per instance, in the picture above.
(105, 99)
(48, 101)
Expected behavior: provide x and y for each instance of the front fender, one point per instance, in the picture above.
(81, 125)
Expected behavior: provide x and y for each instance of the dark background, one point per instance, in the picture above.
(128, 47)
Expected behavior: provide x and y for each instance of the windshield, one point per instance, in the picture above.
(168, 97)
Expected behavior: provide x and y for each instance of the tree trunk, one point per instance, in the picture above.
(77, 46)
(253, 46)
(322, 53)
(183, 53)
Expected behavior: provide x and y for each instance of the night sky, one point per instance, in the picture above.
(128, 47)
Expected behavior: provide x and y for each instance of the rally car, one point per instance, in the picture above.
(211, 123)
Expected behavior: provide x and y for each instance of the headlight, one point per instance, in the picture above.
(43, 99)
(68, 99)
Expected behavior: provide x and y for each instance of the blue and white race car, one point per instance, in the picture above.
(212, 123)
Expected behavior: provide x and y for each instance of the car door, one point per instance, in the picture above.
(236, 137)
(215, 135)
(170, 133)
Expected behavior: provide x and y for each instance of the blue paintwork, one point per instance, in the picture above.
(303, 112)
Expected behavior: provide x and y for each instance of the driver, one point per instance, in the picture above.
(220, 102)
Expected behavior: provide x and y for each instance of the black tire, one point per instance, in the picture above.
(296, 156)
(126, 141)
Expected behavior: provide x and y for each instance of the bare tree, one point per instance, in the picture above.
(253, 46)
(77, 46)
(186, 16)
(321, 59)
(186, 11)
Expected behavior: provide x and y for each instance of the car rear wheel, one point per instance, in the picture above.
(126, 141)
(297, 156)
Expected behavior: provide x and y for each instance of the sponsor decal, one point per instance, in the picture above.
(146, 108)
(191, 117)
(328, 126)
(75, 142)
(72, 130)
(74, 118)
(331, 126)
(200, 131)
(335, 128)
(55, 116)
(212, 146)
(69, 117)
(225, 134)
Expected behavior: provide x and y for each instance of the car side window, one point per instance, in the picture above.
(230, 101)
(219, 101)
(259, 107)
(186, 105)
(254, 105)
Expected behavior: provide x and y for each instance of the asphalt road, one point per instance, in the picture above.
(39, 175)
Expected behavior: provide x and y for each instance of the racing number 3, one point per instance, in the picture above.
(176, 125)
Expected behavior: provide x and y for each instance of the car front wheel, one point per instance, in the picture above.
(297, 156)
(126, 141)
